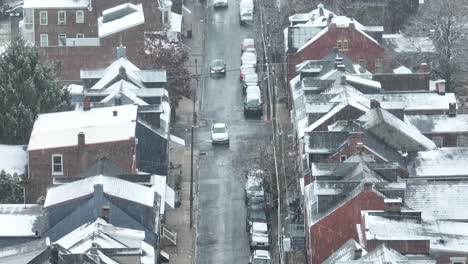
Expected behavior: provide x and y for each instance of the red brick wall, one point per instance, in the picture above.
(74, 58)
(353, 148)
(333, 231)
(360, 47)
(347, 113)
(75, 161)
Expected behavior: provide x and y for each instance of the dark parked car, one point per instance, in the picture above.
(218, 67)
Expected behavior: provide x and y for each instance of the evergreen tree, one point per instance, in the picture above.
(10, 188)
(27, 88)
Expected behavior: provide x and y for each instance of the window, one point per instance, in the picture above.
(62, 39)
(378, 65)
(439, 141)
(458, 260)
(44, 40)
(62, 17)
(343, 158)
(43, 19)
(345, 44)
(57, 164)
(79, 17)
(339, 45)
(79, 35)
(462, 141)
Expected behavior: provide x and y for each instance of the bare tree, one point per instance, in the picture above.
(446, 24)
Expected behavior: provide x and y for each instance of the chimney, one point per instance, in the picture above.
(374, 104)
(320, 8)
(122, 73)
(392, 206)
(440, 87)
(351, 25)
(357, 253)
(424, 68)
(121, 52)
(452, 110)
(341, 67)
(105, 213)
(330, 18)
(81, 139)
(86, 104)
(343, 79)
(368, 186)
(114, 113)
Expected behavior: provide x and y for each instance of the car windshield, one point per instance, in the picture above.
(219, 130)
(217, 63)
(261, 261)
(253, 102)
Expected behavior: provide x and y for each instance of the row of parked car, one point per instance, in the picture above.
(257, 220)
(253, 104)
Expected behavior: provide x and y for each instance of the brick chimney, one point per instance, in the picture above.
(374, 104)
(320, 8)
(392, 206)
(368, 186)
(330, 18)
(424, 68)
(86, 104)
(351, 25)
(440, 87)
(121, 52)
(81, 139)
(114, 113)
(357, 253)
(105, 213)
(452, 110)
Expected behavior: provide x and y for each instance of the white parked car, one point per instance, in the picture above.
(220, 3)
(246, 69)
(250, 79)
(247, 43)
(249, 58)
(259, 236)
(260, 257)
(219, 134)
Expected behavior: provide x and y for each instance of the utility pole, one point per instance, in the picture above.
(194, 121)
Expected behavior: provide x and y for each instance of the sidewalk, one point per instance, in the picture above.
(179, 219)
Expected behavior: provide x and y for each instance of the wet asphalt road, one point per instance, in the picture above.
(221, 236)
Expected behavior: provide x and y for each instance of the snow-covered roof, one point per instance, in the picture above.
(363, 81)
(99, 125)
(438, 200)
(403, 44)
(396, 133)
(56, 4)
(21, 220)
(119, 18)
(14, 159)
(100, 234)
(113, 71)
(402, 70)
(319, 12)
(25, 252)
(417, 100)
(345, 252)
(439, 123)
(112, 186)
(440, 163)
(442, 235)
(75, 89)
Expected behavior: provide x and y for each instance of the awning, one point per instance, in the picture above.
(163, 257)
(167, 193)
(177, 140)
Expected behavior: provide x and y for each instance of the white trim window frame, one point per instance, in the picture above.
(43, 18)
(57, 164)
(44, 40)
(79, 16)
(62, 39)
(62, 17)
